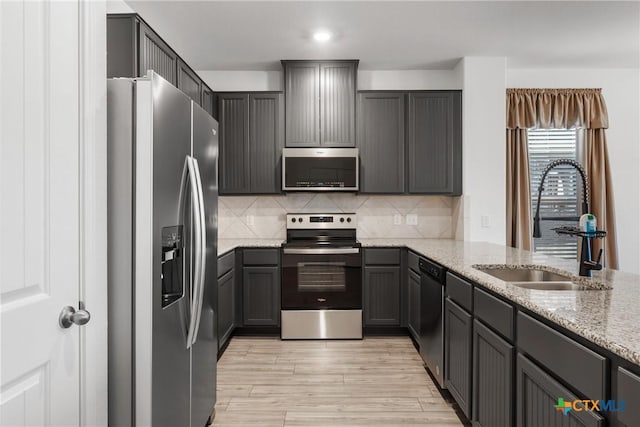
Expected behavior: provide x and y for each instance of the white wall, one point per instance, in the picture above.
(118, 6)
(621, 91)
(367, 80)
(484, 166)
(242, 81)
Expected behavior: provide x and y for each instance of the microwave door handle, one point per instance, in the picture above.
(201, 253)
(195, 279)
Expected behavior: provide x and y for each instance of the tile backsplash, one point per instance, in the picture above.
(264, 216)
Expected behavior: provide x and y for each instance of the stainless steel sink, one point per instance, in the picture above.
(531, 278)
(548, 286)
(524, 274)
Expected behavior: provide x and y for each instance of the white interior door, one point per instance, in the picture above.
(40, 212)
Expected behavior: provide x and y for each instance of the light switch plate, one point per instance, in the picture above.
(250, 220)
(397, 219)
(485, 221)
(412, 219)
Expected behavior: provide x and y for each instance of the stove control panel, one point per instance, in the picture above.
(314, 221)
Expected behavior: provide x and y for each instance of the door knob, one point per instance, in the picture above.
(69, 316)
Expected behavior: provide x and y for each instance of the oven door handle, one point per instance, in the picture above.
(320, 251)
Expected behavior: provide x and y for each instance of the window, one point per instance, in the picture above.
(560, 202)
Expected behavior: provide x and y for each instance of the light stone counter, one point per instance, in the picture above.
(609, 318)
(226, 245)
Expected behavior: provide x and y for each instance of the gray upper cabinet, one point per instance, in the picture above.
(320, 103)
(133, 48)
(434, 142)
(266, 136)
(189, 82)
(251, 141)
(208, 101)
(381, 130)
(338, 104)
(302, 100)
(156, 55)
(234, 143)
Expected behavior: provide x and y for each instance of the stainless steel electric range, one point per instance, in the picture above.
(321, 278)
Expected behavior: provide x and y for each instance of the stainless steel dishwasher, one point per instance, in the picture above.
(432, 281)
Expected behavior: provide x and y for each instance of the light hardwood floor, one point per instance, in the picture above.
(373, 382)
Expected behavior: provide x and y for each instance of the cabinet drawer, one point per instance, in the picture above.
(494, 312)
(225, 263)
(460, 291)
(387, 256)
(579, 366)
(629, 391)
(260, 256)
(413, 261)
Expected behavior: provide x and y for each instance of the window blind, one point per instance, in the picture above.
(560, 197)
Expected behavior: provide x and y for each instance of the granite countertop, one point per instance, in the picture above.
(607, 317)
(226, 245)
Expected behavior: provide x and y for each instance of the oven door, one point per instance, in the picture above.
(325, 278)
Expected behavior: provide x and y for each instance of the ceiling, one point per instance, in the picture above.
(243, 35)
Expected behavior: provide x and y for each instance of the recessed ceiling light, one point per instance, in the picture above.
(322, 36)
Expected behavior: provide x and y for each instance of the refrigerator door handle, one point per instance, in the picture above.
(195, 279)
(201, 253)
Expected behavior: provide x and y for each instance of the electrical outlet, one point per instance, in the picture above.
(250, 220)
(397, 219)
(485, 221)
(412, 219)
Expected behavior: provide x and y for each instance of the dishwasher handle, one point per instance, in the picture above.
(436, 271)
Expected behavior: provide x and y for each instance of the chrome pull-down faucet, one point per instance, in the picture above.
(586, 263)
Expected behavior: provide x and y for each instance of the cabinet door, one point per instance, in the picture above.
(457, 353)
(302, 93)
(265, 142)
(261, 296)
(226, 302)
(189, 82)
(381, 142)
(537, 396)
(381, 296)
(156, 55)
(122, 50)
(234, 143)
(414, 305)
(492, 378)
(338, 104)
(435, 142)
(206, 99)
(628, 389)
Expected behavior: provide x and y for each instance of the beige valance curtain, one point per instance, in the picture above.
(556, 109)
(560, 109)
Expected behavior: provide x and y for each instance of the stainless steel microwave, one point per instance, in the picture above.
(320, 169)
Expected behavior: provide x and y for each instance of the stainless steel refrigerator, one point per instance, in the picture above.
(162, 219)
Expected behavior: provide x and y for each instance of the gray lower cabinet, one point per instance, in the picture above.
(434, 142)
(320, 103)
(226, 308)
(457, 350)
(628, 390)
(251, 140)
(381, 295)
(381, 127)
(492, 400)
(538, 394)
(413, 316)
(261, 296)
